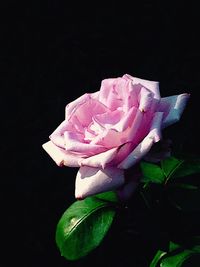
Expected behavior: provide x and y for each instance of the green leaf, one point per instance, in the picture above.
(184, 196)
(178, 256)
(170, 166)
(108, 196)
(157, 258)
(174, 168)
(83, 226)
(188, 167)
(173, 246)
(176, 260)
(152, 172)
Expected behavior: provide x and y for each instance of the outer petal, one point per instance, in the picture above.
(100, 160)
(146, 99)
(144, 147)
(61, 157)
(77, 102)
(90, 181)
(153, 86)
(57, 136)
(173, 107)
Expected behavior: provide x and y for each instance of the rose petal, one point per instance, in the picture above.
(142, 149)
(126, 120)
(122, 152)
(100, 160)
(108, 119)
(76, 125)
(79, 114)
(73, 143)
(134, 134)
(119, 93)
(107, 95)
(90, 181)
(173, 107)
(57, 136)
(146, 98)
(109, 139)
(71, 107)
(61, 157)
(137, 153)
(87, 110)
(153, 86)
(132, 99)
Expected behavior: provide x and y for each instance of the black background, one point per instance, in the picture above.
(51, 53)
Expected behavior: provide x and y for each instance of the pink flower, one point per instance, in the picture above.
(107, 132)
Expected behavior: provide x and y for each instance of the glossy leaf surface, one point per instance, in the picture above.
(177, 256)
(83, 226)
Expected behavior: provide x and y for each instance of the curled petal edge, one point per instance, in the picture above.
(61, 157)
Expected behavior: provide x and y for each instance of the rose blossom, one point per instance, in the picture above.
(111, 130)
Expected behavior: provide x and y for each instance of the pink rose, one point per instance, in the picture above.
(111, 130)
